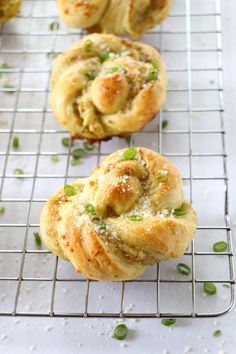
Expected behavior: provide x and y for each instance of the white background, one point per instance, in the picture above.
(71, 336)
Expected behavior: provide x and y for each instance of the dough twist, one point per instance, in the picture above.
(106, 86)
(129, 214)
(127, 17)
(8, 9)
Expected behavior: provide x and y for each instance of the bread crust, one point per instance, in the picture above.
(123, 17)
(9, 9)
(96, 99)
(108, 244)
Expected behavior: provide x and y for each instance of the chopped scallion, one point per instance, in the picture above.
(15, 142)
(37, 239)
(209, 288)
(220, 246)
(69, 190)
(120, 331)
(90, 209)
(129, 153)
(136, 217)
(168, 321)
(183, 268)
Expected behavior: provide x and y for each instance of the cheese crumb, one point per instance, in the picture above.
(187, 349)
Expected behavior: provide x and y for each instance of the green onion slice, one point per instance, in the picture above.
(91, 74)
(15, 142)
(179, 212)
(75, 162)
(120, 331)
(2, 209)
(66, 142)
(168, 321)
(217, 333)
(220, 246)
(105, 55)
(129, 153)
(78, 153)
(136, 217)
(55, 158)
(69, 190)
(54, 26)
(152, 74)
(164, 123)
(90, 209)
(37, 238)
(183, 268)
(209, 288)
(18, 172)
(88, 45)
(87, 146)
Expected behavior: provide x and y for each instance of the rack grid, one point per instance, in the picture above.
(188, 40)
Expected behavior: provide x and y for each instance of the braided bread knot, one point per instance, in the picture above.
(132, 17)
(106, 86)
(129, 214)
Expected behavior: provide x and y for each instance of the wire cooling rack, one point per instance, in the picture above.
(33, 282)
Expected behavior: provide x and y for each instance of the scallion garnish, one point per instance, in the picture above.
(183, 269)
(15, 142)
(37, 239)
(209, 288)
(66, 142)
(105, 55)
(4, 66)
(87, 146)
(155, 64)
(168, 321)
(91, 74)
(179, 212)
(220, 246)
(120, 331)
(136, 217)
(11, 87)
(152, 74)
(55, 158)
(129, 153)
(2, 209)
(101, 226)
(90, 209)
(69, 190)
(18, 172)
(164, 123)
(217, 333)
(75, 162)
(78, 153)
(88, 45)
(122, 179)
(54, 26)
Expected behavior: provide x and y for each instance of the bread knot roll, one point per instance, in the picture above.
(129, 214)
(8, 9)
(129, 17)
(105, 86)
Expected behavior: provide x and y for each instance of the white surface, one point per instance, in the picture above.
(146, 336)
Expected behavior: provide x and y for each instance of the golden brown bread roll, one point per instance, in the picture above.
(105, 86)
(127, 17)
(8, 9)
(129, 214)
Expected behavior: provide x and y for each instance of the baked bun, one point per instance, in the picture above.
(8, 9)
(123, 17)
(106, 86)
(129, 214)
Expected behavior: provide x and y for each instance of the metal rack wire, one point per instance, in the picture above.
(17, 46)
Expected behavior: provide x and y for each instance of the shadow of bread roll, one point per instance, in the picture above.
(130, 213)
(105, 86)
(123, 17)
(9, 9)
